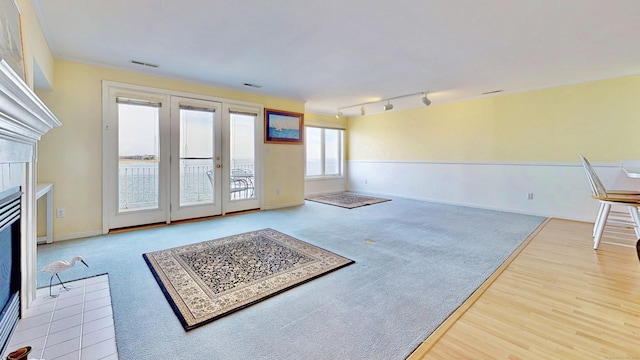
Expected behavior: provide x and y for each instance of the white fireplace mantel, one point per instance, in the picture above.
(24, 118)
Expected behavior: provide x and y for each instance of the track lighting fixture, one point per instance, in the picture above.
(425, 99)
(388, 106)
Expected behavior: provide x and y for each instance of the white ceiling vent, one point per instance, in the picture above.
(137, 62)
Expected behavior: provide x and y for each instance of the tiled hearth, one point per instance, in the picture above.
(77, 324)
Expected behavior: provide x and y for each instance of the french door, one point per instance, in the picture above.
(170, 157)
(196, 154)
(242, 129)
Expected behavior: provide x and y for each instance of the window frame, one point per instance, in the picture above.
(341, 154)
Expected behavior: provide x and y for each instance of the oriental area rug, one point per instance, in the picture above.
(211, 279)
(346, 200)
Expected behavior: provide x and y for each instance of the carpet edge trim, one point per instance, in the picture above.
(166, 293)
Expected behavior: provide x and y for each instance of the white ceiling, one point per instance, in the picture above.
(335, 53)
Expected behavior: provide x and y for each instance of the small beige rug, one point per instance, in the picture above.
(211, 279)
(346, 200)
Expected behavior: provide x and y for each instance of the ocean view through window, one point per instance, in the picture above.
(139, 182)
(324, 152)
(139, 154)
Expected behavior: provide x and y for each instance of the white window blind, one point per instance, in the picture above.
(129, 101)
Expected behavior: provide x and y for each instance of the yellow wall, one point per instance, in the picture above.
(324, 121)
(71, 156)
(599, 119)
(34, 44)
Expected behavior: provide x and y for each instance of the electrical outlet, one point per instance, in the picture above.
(365, 181)
(277, 191)
(60, 212)
(530, 196)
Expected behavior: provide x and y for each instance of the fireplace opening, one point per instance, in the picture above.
(9, 263)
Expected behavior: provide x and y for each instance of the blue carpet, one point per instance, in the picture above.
(416, 262)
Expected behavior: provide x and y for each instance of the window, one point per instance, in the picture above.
(325, 151)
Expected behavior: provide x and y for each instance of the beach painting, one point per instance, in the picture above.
(283, 127)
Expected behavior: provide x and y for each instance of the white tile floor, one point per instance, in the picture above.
(77, 324)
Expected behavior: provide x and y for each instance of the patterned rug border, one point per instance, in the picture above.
(370, 200)
(176, 308)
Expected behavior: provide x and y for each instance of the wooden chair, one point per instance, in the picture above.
(607, 198)
(620, 219)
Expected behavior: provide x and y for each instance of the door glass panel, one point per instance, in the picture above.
(242, 156)
(139, 157)
(196, 156)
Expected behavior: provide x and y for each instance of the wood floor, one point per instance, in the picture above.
(557, 298)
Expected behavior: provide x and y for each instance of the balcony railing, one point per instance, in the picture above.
(139, 184)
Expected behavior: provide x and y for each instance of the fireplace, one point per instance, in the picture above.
(24, 119)
(10, 206)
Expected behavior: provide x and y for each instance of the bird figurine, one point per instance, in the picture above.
(60, 266)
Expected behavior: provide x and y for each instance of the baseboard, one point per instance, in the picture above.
(75, 236)
(324, 193)
(282, 206)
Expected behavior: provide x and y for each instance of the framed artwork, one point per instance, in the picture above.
(283, 127)
(10, 36)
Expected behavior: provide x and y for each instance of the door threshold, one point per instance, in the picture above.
(156, 225)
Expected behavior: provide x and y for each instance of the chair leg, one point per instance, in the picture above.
(598, 222)
(595, 225)
(601, 223)
(636, 220)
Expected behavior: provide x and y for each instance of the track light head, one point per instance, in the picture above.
(425, 100)
(388, 106)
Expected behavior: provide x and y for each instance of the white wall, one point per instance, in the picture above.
(559, 189)
(324, 186)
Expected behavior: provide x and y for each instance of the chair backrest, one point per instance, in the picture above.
(597, 187)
